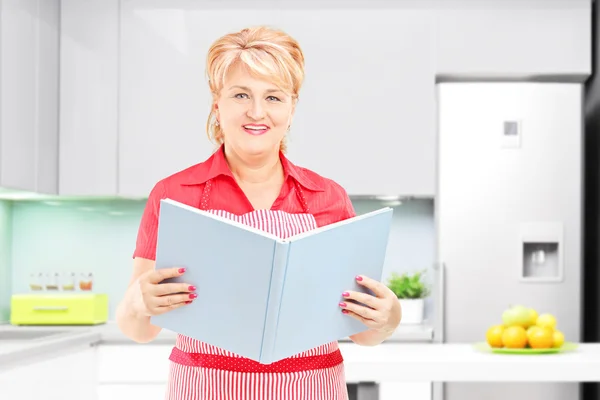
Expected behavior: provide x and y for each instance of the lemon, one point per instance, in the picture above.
(541, 338)
(533, 316)
(531, 330)
(546, 321)
(494, 335)
(514, 337)
(559, 339)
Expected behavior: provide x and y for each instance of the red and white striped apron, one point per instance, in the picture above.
(200, 371)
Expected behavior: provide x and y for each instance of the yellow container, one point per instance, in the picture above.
(59, 309)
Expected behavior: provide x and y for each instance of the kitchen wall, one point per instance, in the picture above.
(5, 256)
(98, 236)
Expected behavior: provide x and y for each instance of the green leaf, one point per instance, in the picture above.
(407, 286)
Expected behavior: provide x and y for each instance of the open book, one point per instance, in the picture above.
(260, 296)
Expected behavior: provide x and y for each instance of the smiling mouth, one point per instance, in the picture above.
(256, 129)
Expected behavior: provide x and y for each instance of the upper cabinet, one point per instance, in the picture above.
(164, 97)
(365, 122)
(525, 39)
(134, 96)
(521, 39)
(29, 68)
(89, 97)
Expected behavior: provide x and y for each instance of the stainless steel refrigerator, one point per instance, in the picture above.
(509, 214)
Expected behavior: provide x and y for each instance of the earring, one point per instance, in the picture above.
(216, 123)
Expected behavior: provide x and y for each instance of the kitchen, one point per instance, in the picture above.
(473, 179)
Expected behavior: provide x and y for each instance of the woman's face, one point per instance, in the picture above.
(254, 114)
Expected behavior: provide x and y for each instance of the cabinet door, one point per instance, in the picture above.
(29, 42)
(405, 390)
(165, 98)
(89, 97)
(472, 39)
(366, 115)
(125, 364)
(62, 376)
(367, 122)
(132, 391)
(133, 371)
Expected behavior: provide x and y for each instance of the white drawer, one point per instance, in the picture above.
(124, 391)
(133, 363)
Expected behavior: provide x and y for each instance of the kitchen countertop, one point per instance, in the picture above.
(395, 361)
(460, 362)
(21, 344)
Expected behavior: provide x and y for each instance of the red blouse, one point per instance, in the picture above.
(327, 200)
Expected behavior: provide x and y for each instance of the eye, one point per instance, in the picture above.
(237, 96)
(273, 98)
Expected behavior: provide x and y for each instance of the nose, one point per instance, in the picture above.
(256, 111)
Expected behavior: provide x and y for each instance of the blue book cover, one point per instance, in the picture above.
(260, 296)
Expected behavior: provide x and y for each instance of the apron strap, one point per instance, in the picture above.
(301, 197)
(205, 195)
(208, 186)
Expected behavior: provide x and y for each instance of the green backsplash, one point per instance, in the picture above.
(5, 256)
(98, 236)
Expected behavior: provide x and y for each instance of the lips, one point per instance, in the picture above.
(256, 130)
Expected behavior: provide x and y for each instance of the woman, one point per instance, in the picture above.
(254, 76)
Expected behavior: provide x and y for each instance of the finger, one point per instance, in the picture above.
(367, 322)
(365, 312)
(162, 310)
(160, 275)
(172, 299)
(378, 288)
(172, 288)
(363, 298)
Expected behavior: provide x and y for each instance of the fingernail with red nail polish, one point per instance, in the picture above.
(345, 311)
(359, 278)
(192, 288)
(345, 294)
(342, 304)
(188, 302)
(181, 270)
(193, 296)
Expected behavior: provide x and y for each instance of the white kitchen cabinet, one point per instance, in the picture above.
(70, 375)
(405, 390)
(141, 371)
(521, 39)
(133, 371)
(29, 42)
(89, 97)
(134, 98)
(366, 122)
(132, 391)
(164, 98)
(368, 125)
(133, 364)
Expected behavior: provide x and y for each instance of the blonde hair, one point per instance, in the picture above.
(268, 53)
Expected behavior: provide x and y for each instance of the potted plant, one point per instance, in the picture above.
(411, 290)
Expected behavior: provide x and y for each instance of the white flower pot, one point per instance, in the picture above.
(412, 310)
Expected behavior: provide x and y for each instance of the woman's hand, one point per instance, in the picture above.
(154, 298)
(380, 312)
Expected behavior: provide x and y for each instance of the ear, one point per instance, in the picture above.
(293, 108)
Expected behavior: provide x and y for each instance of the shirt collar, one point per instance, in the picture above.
(216, 165)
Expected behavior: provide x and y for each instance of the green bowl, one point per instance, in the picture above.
(486, 348)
